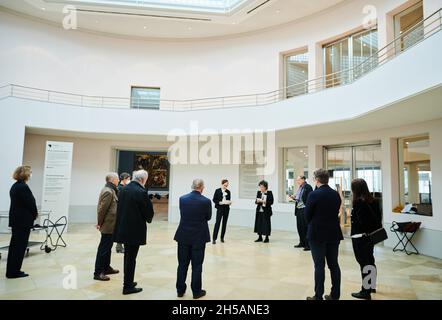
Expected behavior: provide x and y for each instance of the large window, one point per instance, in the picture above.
(350, 52)
(296, 73)
(295, 164)
(415, 174)
(346, 163)
(407, 29)
(145, 98)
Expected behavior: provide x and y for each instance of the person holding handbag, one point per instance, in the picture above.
(366, 218)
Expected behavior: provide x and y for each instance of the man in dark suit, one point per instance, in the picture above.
(192, 235)
(222, 200)
(300, 199)
(134, 210)
(324, 234)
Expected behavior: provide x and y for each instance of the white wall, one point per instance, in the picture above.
(44, 56)
(92, 159)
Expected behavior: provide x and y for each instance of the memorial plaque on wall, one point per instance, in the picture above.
(248, 179)
(57, 179)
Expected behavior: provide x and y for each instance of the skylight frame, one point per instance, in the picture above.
(209, 6)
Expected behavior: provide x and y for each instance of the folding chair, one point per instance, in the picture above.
(59, 226)
(402, 231)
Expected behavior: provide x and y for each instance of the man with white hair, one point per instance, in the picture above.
(106, 217)
(134, 210)
(192, 235)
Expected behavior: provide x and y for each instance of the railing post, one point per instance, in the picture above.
(49, 96)
(102, 101)
(12, 90)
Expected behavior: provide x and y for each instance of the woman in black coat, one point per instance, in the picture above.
(222, 199)
(264, 202)
(366, 217)
(22, 213)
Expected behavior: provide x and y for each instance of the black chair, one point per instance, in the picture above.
(59, 226)
(405, 232)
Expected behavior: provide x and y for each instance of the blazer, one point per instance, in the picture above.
(195, 211)
(269, 203)
(218, 197)
(23, 209)
(365, 217)
(107, 209)
(321, 213)
(304, 195)
(133, 211)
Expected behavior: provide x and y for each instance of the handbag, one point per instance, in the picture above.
(377, 236)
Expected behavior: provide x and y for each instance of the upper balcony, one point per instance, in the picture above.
(387, 77)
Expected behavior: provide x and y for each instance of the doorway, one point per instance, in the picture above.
(158, 167)
(349, 162)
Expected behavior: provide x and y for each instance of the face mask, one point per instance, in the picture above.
(128, 181)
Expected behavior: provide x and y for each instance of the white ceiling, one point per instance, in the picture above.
(180, 24)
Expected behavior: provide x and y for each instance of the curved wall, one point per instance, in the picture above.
(44, 56)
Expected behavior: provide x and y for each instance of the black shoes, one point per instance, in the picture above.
(111, 271)
(21, 274)
(131, 290)
(363, 294)
(180, 294)
(329, 297)
(222, 240)
(259, 239)
(101, 277)
(200, 295)
(267, 240)
(299, 246)
(313, 298)
(306, 249)
(214, 242)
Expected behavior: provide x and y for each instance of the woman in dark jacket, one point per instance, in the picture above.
(366, 217)
(22, 213)
(264, 202)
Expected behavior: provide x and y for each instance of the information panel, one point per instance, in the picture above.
(57, 179)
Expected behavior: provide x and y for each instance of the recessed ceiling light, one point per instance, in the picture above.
(144, 27)
(233, 22)
(189, 28)
(278, 11)
(43, 9)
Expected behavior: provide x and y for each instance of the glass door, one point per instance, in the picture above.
(296, 74)
(407, 29)
(346, 163)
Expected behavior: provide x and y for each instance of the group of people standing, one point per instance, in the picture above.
(124, 209)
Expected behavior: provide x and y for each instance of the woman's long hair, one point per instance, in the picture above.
(360, 191)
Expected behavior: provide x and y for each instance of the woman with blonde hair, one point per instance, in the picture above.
(22, 213)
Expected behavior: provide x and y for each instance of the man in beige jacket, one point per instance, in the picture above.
(106, 216)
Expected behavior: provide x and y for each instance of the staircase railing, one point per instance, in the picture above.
(414, 35)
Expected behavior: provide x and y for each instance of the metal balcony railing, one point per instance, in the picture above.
(414, 35)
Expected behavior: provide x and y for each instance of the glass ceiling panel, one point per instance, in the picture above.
(217, 6)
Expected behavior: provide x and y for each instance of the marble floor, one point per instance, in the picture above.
(237, 269)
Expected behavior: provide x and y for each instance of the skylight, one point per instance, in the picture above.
(214, 6)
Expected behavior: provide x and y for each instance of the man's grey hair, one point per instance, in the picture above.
(110, 176)
(140, 175)
(197, 184)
